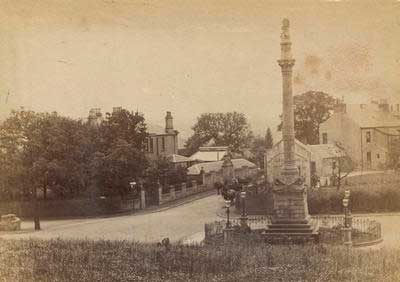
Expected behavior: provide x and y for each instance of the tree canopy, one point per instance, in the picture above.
(269, 141)
(221, 129)
(67, 156)
(310, 110)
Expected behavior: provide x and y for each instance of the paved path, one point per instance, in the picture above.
(183, 223)
(178, 223)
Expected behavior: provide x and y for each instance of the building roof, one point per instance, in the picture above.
(174, 158)
(326, 151)
(209, 154)
(216, 166)
(374, 119)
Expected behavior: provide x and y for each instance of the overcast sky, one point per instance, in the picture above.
(191, 57)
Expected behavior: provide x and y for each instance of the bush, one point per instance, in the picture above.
(371, 193)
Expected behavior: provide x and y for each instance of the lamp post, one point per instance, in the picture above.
(347, 219)
(227, 206)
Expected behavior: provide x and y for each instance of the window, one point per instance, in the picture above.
(324, 138)
(163, 144)
(378, 156)
(368, 136)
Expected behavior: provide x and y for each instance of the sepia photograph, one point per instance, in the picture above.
(199, 140)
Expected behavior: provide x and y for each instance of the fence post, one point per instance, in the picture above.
(194, 185)
(142, 197)
(183, 188)
(159, 190)
(172, 191)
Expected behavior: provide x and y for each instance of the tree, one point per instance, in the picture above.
(258, 148)
(222, 129)
(342, 166)
(119, 156)
(310, 110)
(44, 151)
(122, 125)
(113, 170)
(269, 141)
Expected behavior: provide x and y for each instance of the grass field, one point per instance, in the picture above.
(62, 260)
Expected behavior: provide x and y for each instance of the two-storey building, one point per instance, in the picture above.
(365, 131)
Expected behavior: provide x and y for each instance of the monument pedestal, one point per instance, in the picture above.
(290, 221)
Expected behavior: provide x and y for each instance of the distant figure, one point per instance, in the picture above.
(315, 181)
(218, 186)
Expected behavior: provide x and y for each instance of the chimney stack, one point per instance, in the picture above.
(169, 127)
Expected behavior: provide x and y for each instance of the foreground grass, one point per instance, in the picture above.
(64, 260)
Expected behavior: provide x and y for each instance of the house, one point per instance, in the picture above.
(324, 159)
(162, 143)
(366, 132)
(274, 161)
(209, 154)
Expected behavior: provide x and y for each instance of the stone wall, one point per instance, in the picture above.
(70, 207)
(183, 191)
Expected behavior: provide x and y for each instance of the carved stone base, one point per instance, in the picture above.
(290, 221)
(290, 205)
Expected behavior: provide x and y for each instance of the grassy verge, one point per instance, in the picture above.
(63, 260)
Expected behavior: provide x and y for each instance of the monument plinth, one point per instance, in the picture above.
(290, 219)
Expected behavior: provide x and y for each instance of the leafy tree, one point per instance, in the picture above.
(310, 110)
(113, 170)
(269, 141)
(258, 149)
(122, 125)
(119, 156)
(46, 151)
(222, 129)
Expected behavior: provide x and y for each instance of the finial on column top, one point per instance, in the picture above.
(285, 30)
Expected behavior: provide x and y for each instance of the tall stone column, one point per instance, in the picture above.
(290, 220)
(289, 170)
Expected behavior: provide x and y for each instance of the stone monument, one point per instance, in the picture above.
(290, 219)
(228, 172)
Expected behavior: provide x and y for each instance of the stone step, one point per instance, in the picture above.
(281, 225)
(285, 238)
(289, 231)
(290, 221)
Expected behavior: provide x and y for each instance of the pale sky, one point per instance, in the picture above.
(191, 57)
